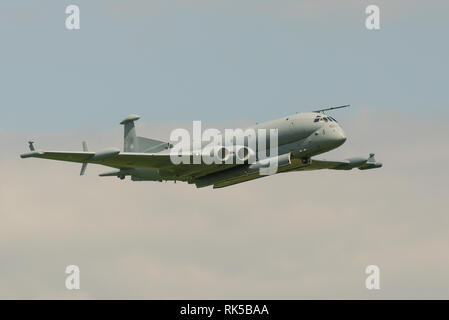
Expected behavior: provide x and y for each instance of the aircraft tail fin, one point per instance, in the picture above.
(129, 138)
(134, 143)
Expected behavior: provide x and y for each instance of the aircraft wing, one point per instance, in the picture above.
(128, 160)
(60, 155)
(186, 172)
(315, 164)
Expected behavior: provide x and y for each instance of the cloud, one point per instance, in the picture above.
(296, 235)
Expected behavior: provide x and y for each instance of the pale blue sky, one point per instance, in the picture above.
(216, 60)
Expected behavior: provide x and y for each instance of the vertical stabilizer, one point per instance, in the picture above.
(134, 143)
(130, 138)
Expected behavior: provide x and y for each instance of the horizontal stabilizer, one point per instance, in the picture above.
(150, 145)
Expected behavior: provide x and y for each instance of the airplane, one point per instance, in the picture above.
(301, 137)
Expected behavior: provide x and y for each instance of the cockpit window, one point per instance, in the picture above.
(325, 119)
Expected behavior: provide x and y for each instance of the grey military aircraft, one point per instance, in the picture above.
(301, 137)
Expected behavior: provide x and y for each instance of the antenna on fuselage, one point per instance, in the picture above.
(339, 107)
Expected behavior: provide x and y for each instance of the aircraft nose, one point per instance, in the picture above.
(343, 135)
(339, 136)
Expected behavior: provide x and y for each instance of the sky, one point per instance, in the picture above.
(229, 64)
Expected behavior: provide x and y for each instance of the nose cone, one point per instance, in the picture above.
(343, 136)
(338, 136)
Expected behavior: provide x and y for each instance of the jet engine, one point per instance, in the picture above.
(238, 154)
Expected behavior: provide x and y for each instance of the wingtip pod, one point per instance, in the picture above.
(371, 163)
(31, 154)
(371, 166)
